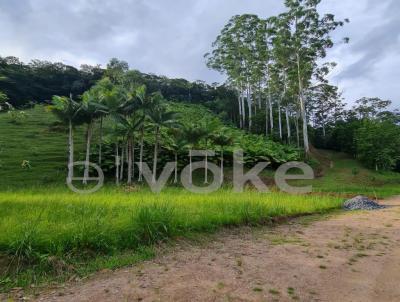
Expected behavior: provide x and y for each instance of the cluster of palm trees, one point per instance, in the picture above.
(129, 112)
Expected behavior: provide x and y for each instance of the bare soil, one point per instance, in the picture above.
(349, 256)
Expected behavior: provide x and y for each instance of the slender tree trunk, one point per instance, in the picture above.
(190, 167)
(206, 167)
(176, 168)
(266, 118)
(271, 116)
(71, 152)
(141, 154)
(123, 152)
(87, 160)
(240, 110)
(129, 147)
(155, 155)
(280, 120)
(243, 110)
(101, 141)
(117, 163)
(303, 109)
(126, 153)
(222, 165)
(287, 124)
(249, 106)
(133, 156)
(297, 130)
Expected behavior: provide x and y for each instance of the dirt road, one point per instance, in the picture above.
(344, 257)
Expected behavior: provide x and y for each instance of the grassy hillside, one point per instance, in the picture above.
(42, 141)
(341, 174)
(350, 176)
(38, 140)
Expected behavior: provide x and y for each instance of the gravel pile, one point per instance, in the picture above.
(361, 203)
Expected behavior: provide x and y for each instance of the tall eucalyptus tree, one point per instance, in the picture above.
(235, 53)
(309, 38)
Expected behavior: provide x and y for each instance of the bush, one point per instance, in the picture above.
(16, 116)
(378, 144)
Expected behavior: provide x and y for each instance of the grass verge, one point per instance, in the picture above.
(56, 234)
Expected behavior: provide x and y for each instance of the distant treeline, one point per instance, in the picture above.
(38, 81)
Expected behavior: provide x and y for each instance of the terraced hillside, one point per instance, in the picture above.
(36, 139)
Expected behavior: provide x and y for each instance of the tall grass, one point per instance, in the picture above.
(38, 226)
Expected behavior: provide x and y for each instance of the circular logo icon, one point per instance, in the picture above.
(99, 178)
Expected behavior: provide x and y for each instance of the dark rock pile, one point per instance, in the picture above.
(361, 203)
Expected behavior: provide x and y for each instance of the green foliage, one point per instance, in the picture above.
(369, 131)
(17, 116)
(3, 101)
(54, 232)
(345, 176)
(59, 79)
(49, 79)
(49, 143)
(378, 144)
(256, 147)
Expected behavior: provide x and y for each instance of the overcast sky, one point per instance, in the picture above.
(170, 37)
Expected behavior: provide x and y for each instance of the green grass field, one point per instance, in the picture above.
(48, 233)
(37, 228)
(348, 177)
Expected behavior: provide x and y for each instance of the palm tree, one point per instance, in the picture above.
(91, 110)
(160, 117)
(209, 128)
(113, 98)
(193, 134)
(144, 104)
(117, 135)
(222, 139)
(130, 125)
(176, 143)
(66, 109)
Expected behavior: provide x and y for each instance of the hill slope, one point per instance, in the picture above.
(40, 140)
(339, 173)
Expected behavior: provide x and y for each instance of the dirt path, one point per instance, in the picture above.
(346, 257)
